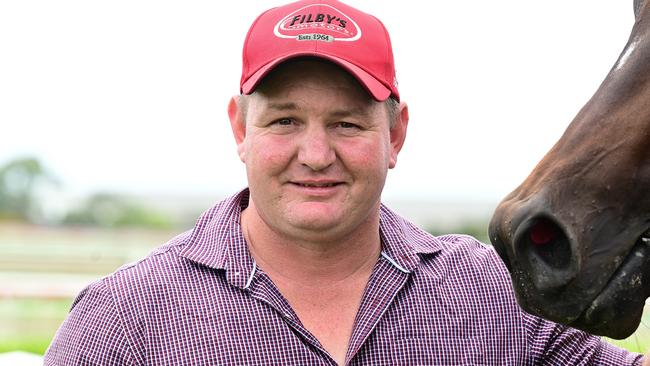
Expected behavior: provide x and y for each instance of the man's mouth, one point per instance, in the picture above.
(317, 185)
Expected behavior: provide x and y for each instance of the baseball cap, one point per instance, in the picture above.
(328, 29)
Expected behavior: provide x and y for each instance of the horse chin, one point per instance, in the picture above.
(616, 311)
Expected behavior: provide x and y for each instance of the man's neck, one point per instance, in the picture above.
(322, 262)
(323, 280)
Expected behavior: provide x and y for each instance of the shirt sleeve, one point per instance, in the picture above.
(555, 344)
(92, 334)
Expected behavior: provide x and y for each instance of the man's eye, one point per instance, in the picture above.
(283, 122)
(347, 125)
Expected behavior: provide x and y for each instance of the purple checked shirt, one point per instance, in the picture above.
(201, 300)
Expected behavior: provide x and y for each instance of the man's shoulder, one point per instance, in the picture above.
(467, 251)
(167, 255)
(126, 299)
(172, 263)
(149, 269)
(161, 280)
(465, 244)
(424, 242)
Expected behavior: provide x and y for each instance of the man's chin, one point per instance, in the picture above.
(313, 216)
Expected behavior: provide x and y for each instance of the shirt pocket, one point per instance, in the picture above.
(438, 351)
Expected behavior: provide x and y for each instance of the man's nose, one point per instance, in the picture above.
(315, 149)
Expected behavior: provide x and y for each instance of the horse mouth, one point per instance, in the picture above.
(616, 311)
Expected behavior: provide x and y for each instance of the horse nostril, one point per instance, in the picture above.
(543, 242)
(543, 250)
(542, 232)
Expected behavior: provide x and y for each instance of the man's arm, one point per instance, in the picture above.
(556, 344)
(92, 334)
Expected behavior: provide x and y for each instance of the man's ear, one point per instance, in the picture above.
(238, 124)
(398, 133)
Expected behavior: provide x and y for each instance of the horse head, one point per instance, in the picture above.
(575, 234)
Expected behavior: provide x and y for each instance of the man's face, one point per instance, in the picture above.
(317, 150)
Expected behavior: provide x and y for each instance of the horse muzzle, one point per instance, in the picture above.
(559, 277)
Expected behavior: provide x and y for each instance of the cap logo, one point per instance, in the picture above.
(318, 22)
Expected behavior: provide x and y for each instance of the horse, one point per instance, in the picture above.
(575, 235)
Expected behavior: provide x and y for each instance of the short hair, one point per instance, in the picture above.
(392, 106)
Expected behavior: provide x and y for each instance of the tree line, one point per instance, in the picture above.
(26, 184)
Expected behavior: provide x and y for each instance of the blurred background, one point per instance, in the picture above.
(114, 134)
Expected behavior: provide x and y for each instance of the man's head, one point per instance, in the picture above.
(328, 29)
(316, 135)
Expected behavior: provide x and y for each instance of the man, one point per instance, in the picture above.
(306, 267)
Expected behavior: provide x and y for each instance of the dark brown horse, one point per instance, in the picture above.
(576, 233)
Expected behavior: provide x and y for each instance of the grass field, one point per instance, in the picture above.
(42, 269)
(29, 324)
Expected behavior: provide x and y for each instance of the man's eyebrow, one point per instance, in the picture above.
(349, 112)
(283, 106)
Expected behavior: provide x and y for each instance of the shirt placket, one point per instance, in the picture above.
(383, 286)
(263, 289)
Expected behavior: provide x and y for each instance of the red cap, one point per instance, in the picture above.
(328, 29)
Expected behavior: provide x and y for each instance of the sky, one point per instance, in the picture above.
(130, 96)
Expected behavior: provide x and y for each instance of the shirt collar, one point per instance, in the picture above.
(217, 241)
(404, 243)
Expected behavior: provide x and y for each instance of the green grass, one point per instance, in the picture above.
(27, 343)
(33, 309)
(31, 254)
(29, 324)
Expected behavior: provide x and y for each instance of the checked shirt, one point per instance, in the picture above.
(201, 300)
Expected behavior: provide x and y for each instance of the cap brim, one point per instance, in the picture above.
(376, 89)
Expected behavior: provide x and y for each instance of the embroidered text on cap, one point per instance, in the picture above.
(318, 22)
